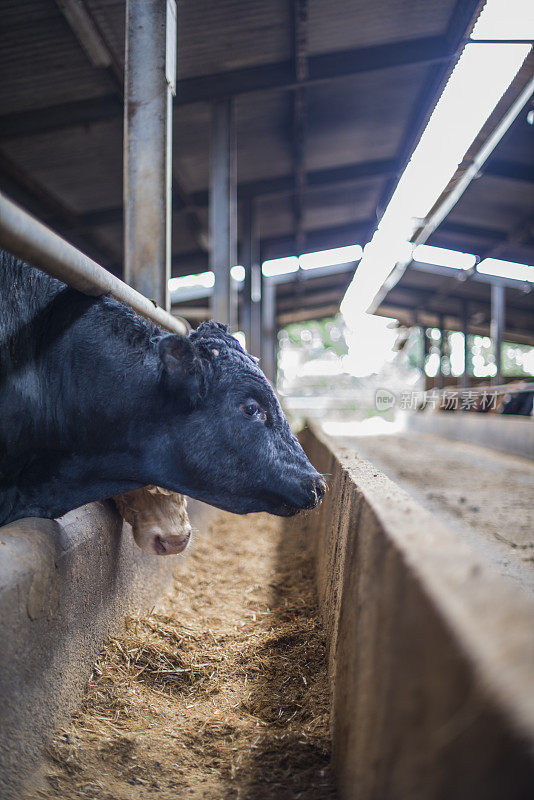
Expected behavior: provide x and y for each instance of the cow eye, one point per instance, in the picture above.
(253, 411)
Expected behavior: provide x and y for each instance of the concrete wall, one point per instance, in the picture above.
(431, 654)
(507, 433)
(63, 587)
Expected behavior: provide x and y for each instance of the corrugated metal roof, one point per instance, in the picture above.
(41, 61)
(110, 17)
(89, 155)
(339, 205)
(367, 117)
(342, 24)
(495, 203)
(363, 117)
(216, 36)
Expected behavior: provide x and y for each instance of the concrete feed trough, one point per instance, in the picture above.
(430, 652)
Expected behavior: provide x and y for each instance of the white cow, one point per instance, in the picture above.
(158, 518)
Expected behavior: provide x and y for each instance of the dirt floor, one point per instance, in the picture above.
(485, 495)
(220, 692)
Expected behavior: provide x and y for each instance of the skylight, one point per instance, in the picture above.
(505, 19)
(238, 273)
(481, 76)
(327, 258)
(201, 280)
(320, 258)
(280, 266)
(479, 80)
(506, 269)
(443, 257)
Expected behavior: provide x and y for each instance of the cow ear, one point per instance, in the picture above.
(181, 365)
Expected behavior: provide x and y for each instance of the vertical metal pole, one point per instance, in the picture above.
(465, 331)
(498, 300)
(424, 348)
(251, 320)
(246, 260)
(256, 283)
(441, 351)
(426, 351)
(268, 356)
(149, 85)
(223, 213)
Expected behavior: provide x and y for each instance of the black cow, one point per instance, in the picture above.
(521, 403)
(95, 401)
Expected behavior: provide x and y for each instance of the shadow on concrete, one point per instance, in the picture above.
(290, 757)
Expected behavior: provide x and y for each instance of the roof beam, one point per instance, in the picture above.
(325, 67)
(314, 240)
(248, 190)
(317, 312)
(63, 115)
(279, 246)
(323, 178)
(279, 76)
(310, 298)
(459, 277)
(91, 37)
(518, 329)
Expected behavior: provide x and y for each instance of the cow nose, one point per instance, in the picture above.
(320, 488)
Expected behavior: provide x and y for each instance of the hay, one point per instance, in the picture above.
(219, 693)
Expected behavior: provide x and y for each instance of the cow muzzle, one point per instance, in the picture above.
(162, 543)
(307, 495)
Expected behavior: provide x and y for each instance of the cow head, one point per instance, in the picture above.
(221, 435)
(159, 520)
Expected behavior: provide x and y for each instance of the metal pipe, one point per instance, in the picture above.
(442, 334)
(256, 283)
(465, 331)
(27, 238)
(223, 223)
(245, 318)
(252, 288)
(149, 85)
(424, 350)
(446, 205)
(268, 355)
(498, 311)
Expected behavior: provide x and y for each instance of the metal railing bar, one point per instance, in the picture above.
(26, 237)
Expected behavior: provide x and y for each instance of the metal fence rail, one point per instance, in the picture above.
(29, 239)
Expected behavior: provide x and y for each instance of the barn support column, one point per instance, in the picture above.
(269, 332)
(442, 334)
(465, 331)
(424, 349)
(246, 258)
(256, 283)
(498, 299)
(150, 79)
(223, 213)
(251, 316)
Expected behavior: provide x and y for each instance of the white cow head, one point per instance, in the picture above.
(158, 518)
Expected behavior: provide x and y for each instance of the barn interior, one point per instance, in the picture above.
(322, 105)
(276, 136)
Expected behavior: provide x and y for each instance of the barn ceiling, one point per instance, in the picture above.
(370, 81)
